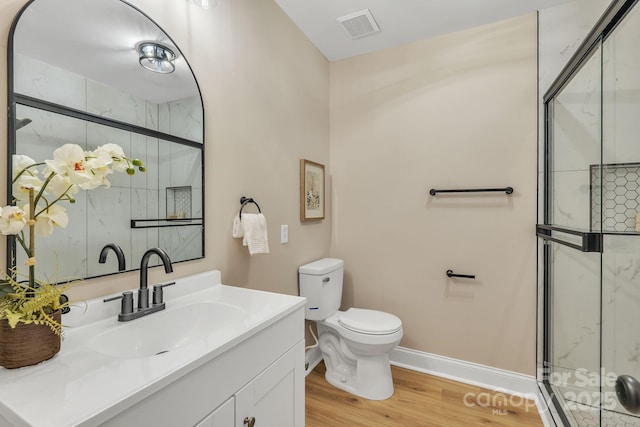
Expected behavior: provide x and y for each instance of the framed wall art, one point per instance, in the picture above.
(312, 198)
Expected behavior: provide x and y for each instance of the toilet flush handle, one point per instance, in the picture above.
(326, 280)
(249, 421)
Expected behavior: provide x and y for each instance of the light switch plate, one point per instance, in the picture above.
(284, 233)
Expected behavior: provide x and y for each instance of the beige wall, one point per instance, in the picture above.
(458, 111)
(266, 96)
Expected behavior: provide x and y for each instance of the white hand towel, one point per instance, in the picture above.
(255, 233)
(237, 232)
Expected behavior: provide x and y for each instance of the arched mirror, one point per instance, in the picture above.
(91, 72)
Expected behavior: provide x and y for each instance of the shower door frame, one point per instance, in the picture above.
(592, 241)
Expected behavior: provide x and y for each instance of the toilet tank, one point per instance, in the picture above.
(321, 284)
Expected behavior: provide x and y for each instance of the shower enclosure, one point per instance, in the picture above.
(589, 299)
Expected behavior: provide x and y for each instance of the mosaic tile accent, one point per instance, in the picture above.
(179, 202)
(620, 193)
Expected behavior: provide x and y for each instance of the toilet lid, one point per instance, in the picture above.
(370, 321)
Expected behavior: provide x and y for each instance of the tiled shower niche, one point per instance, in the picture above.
(620, 197)
(178, 202)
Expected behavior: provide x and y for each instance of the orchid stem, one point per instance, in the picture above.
(55, 201)
(32, 242)
(44, 185)
(20, 239)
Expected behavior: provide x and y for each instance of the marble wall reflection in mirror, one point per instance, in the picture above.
(76, 78)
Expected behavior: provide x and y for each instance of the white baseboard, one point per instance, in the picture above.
(507, 382)
(464, 372)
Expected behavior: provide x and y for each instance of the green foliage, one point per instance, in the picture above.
(20, 303)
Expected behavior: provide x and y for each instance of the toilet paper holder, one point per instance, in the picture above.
(450, 273)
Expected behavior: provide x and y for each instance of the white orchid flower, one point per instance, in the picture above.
(121, 165)
(29, 181)
(99, 166)
(20, 163)
(60, 184)
(23, 184)
(24, 178)
(54, 215)
(12, 220)
(97, 180)
(113, 150)
(116, 153)
(99, 159)
(69, 160)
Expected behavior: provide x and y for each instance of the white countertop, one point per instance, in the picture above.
(80, 386)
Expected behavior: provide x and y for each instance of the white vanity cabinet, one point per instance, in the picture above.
(274, 398)
(217, 355)
(223, 416)
(260, 378)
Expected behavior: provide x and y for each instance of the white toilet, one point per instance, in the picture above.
(356, 343)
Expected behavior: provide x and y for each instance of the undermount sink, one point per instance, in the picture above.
(167, 330)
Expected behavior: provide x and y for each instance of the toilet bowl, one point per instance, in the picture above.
(355, 344)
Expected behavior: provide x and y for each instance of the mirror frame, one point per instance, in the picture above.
(15, 99)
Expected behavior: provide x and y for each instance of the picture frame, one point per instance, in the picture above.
(312, 194)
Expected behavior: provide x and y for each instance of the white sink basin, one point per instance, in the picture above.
(167, 330)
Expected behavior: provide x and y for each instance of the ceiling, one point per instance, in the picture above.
(400, 21)
(83, 36)
(96, 39)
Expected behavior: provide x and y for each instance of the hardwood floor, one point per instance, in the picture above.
(419, 400)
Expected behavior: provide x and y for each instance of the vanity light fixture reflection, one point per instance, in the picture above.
(156, 57)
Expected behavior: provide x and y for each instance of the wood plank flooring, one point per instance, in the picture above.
(419, 400)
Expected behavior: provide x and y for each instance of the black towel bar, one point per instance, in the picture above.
(245, 201)
(507, 190)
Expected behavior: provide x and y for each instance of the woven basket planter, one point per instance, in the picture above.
(27, 345)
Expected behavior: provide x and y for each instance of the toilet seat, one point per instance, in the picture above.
(371, 322)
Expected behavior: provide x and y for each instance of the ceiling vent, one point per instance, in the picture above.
(359, 24)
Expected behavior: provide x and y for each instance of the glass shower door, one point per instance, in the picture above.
(572, 267)
(591, 229)
(621, 256)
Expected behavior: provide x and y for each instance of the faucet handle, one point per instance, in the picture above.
(158, 297)
(126, 306)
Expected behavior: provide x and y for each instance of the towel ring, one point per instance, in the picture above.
(245, 201)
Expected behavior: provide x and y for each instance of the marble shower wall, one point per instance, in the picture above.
(109, 211)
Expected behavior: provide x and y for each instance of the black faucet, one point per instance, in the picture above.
(118, 251)
(127, 312)
(143, 292)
